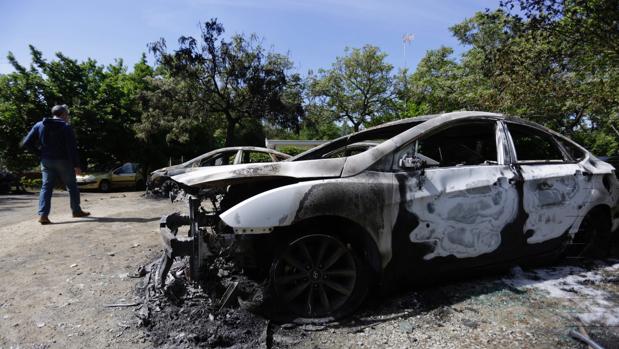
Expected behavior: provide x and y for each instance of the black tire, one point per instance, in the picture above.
(167, 186)
(105, 186)
(592, 240)
(319, 277)
(140, 185)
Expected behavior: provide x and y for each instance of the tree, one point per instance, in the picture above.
(22, 103)
(578, 23)
(101, 100)
(357, 88)
(436, 82)
(579, 42)
(234, 81)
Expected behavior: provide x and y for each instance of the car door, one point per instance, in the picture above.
(457, 209)
(555, 188)
(124, 176)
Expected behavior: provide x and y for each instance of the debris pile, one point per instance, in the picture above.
(221, 313)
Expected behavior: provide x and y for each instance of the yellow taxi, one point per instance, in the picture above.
(126, 176)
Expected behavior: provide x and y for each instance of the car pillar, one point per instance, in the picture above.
(201, 252)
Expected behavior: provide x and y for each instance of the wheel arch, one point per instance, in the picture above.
(604, 212)
(344, 228)
(594, 235)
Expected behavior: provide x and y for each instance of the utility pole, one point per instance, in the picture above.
(406, 40)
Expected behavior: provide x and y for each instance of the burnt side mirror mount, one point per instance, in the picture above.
(411, 163)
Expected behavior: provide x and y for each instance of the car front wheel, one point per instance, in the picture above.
(319, 276)
(104, 186)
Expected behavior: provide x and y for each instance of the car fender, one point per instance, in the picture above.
(366, 199)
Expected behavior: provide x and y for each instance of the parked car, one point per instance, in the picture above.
(160, 179)
(9, 180)
(438, 195)
(127, 176)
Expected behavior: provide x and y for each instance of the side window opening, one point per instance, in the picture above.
(533, 145)
(472, 143)
(255, 156)
(226, 158)
(124, 169)
(572, 150)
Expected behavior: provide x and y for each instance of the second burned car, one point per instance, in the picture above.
(161, 179)
(437, 195)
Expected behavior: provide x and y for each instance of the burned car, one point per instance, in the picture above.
(438, 195)
(160, 179)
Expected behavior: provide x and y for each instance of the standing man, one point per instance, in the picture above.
(53, 139)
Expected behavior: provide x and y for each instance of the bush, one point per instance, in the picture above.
(291, 150)
(32, 182)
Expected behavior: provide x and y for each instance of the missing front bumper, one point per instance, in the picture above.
(200, 242)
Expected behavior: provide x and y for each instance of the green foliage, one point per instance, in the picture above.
(31, 182)
(549, 66)
(101, 100)
(291, 150)
(214, 82)
(356, 89)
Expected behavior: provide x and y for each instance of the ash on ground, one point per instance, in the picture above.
(186, 315)
(522, 308)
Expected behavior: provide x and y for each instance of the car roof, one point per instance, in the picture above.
(237, 148)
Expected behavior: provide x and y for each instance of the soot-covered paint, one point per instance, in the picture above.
(367, 199)
(558, 196)
(461, 211)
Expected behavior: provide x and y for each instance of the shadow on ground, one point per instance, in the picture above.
(110, 220)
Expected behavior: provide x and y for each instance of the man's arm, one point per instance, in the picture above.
(72, 149)
(31, 141)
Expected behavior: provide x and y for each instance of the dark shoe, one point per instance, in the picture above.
(81, 214)
(44, 220)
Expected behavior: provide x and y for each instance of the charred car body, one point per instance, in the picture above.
(437, 195)
(160, 179)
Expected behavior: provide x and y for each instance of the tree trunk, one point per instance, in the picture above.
(230, 132)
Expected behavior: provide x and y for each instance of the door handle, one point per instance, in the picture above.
(584, 173)
(544, 186)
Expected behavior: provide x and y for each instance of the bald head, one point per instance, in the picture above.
(61, 111)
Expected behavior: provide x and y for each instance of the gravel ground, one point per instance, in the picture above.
(523, 309)
(483, 313)
(55, 280)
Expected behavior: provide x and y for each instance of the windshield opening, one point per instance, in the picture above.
(373, 136)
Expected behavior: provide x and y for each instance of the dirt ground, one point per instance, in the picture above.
(56, 280)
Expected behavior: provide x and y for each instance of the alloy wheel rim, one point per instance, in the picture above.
(315, 276)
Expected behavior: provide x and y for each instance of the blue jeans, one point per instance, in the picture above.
(51, 171)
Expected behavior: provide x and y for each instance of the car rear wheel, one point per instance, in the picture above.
(592, 237)
(319, 276)
(104, 186)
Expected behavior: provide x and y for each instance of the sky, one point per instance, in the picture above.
(312, 32)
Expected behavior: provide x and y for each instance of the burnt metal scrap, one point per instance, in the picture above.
(431, 196)
(185, 315)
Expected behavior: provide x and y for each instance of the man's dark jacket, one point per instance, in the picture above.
(53, 139)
